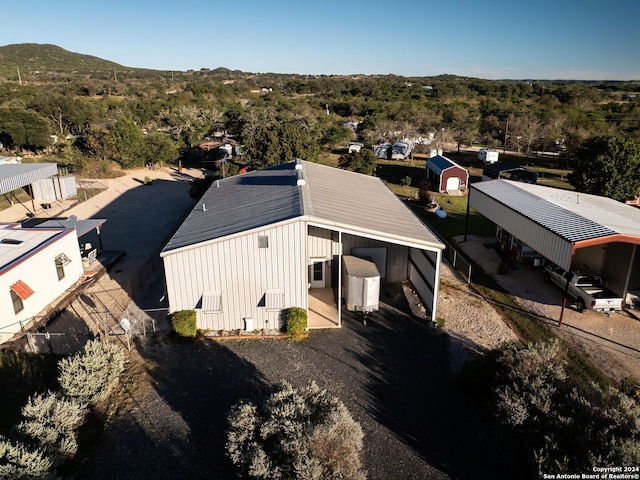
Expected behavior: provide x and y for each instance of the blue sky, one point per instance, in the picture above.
(492, 39)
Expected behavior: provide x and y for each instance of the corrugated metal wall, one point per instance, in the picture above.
(618, 255)
(323, 243)
(397, 255)
(243, 273)
(422, 273)
(49, 188)
(537, 237)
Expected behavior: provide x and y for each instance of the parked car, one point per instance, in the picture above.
(586, 290)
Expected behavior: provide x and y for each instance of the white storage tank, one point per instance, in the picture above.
(361, 284)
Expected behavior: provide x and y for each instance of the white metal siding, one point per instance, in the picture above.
(49, 188)
(536, 236)
(320, 243)
(242, 273)
(423, 274)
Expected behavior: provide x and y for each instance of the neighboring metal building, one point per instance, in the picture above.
(259, 243)
(446, 175)
(37, 265)
(38, 178)
(509, 171)
(577, 231)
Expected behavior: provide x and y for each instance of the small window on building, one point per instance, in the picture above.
(263, 241)
(60, 271)
(18, 306)
(274, 299)
(61, 261)
(212, 302)
(318, 272)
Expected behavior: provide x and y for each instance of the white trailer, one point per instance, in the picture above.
(361, 284)
(486, 155)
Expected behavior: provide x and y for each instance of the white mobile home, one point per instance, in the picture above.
(259, 243)
(37, 265)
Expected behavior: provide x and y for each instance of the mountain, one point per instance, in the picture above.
(39, 59)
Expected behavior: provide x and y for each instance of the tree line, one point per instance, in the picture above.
(138, 120)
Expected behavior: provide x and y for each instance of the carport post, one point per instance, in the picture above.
(566, 287)
(339, 278)
(466, 218)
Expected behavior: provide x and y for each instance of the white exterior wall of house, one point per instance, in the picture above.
(39, 272)
(242, 273)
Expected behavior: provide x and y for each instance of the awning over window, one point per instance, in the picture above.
(22, 289)
(211, 302)
(62, 260)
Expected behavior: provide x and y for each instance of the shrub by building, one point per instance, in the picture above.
(184, 323)
(296, 321)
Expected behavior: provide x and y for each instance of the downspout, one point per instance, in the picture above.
(566, 287)
(339, 279)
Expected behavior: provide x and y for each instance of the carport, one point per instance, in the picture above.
(577, 231)
(15, 176)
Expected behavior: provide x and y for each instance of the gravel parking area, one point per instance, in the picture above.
(393, 374)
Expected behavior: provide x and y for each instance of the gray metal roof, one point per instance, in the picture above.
(571, 215)
(14, 176)
(82, 226)
(331, 197)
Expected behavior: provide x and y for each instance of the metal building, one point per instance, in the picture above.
(259, 243)
(577, 231)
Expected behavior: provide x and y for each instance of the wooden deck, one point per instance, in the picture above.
(323, 311)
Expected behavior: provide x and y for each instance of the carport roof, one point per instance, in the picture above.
(325, 196)
(82, 226)
(573, 216)
(14, 176)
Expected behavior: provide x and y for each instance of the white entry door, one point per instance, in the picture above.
(317, 274)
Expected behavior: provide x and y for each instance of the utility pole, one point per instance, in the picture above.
(506, 130)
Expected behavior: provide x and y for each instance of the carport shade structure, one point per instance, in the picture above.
(15, 176)
(556, 223)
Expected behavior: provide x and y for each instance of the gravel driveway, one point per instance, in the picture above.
(393, 375)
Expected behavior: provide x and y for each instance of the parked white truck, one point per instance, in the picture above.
(587, 290)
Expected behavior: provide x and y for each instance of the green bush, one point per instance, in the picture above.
(90, 374)
(184, 323)
(304, 433)
(549, 422)
(18, 462)
(50, 423)
(296, 321)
